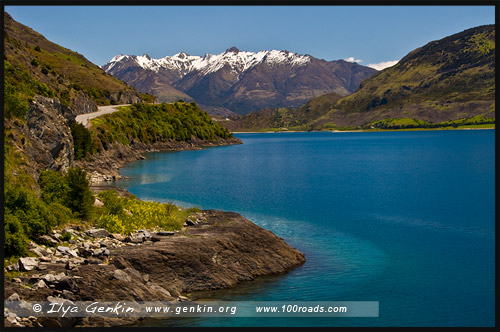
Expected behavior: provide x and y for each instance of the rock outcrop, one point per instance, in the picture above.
(217, 250)
(50, 141)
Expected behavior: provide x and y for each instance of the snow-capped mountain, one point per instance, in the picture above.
(184, 63)
(239, 81)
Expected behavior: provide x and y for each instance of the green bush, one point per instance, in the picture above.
(67, 193)
(80, 198)
(112, 203)
(63, 197)
(16, 243)
(82, 140)
(62, 213)
(65, 236)
(15, 104)
(53, 187)
(31, 211)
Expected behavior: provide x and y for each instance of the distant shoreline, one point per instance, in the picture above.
(353, 131)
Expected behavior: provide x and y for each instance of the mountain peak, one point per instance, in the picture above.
(232, 49)
(182, 55)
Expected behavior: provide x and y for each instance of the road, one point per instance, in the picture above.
(85, 118)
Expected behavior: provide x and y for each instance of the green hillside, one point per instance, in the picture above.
(446, 83)
(34, 65)
(270, 119)
(152, 123)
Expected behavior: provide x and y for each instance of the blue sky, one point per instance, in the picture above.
(366, 34)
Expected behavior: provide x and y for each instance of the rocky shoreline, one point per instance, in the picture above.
(214, 250)
(105, 166)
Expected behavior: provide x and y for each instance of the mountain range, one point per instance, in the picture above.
(448, 82)
(238, 81)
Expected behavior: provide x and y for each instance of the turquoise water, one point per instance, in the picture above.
(403, 218)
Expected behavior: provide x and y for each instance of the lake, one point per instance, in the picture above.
(404, 218)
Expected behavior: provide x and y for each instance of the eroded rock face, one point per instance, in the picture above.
(124, 97)
(217, 253)
(80, 104)
(51, 143)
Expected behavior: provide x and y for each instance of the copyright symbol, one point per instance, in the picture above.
(37, 307)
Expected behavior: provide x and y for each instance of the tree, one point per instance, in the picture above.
(80, 198)
(82, 140)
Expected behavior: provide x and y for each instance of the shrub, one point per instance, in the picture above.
(82, 140)
(53, 187)
(66, 193)
(80, 198)
(65, 236)
(16, 243)
(112, 203)
(15, 105)
(30, 211)
(62, 213)
(124, 215)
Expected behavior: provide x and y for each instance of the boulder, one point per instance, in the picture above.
(28, 263)
(117, 236)
(135, 238)
(40, 284)
(101, 252)
(60, 276)
(98, 232)
(47, 240)
(68, 283)
(84, 250)
(121, 275)
(98, 202)
(49, 278)
(36, 251)
(14, 298)
(190, 222)
(63, 250)
(145, 233)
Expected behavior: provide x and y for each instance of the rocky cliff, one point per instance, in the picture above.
(42, 141)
